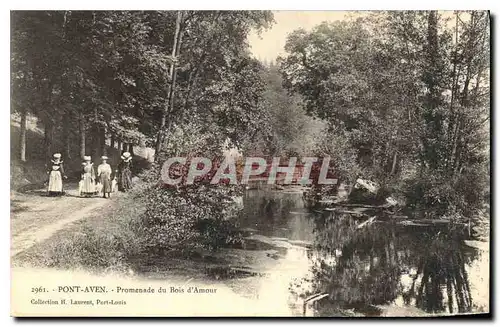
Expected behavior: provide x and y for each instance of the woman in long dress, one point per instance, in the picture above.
(125, 172)
(56, 175)
(88, 177)
(104, 174)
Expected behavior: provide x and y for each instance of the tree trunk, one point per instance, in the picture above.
(119, 146)
(67, 135)
(48, 122)
(454, 86)
(432, 57)
(193, 75)
(96, 146)
(394, 163)
(48, 137)
(102, 140)
(432, 117)
(172, 89)
(168, 106)
(22, 137)
(456, 135)
(112, 141)
(82, 135)
(131, 148)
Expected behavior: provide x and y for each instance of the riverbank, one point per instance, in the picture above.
(281, 246)
(90, 246)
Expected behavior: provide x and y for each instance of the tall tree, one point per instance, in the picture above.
(171, 88)
(400, 91)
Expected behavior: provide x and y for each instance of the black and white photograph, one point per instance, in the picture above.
(250, 163)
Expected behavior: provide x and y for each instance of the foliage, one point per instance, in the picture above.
(286, 131)
(405, 96)
(108, 72)
(188, 217)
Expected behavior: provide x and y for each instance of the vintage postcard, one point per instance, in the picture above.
(250, 163)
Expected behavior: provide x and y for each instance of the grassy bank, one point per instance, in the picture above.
(115, 238)
(105, 241)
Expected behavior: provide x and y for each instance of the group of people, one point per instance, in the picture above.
(92, 181)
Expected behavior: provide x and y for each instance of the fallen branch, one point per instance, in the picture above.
(349, 205)
(312, 298)
(369, 221)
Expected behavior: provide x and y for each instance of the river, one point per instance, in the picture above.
(382, 268)
(290, 253)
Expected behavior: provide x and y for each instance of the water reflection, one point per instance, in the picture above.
(276, 214)
(360, 268)
(384, 262)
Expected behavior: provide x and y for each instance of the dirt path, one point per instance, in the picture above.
(36, 217)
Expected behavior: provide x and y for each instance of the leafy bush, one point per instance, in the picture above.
(191, 216)
(446, 196)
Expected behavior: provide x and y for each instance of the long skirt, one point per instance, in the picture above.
(55, 183)
(125, 180)
(88, 185)
(105, 180)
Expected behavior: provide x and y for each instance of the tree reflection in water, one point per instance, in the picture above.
(360, 267)
(269, 209)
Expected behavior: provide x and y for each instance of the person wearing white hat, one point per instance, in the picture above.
(104, 174)
(56, 175)
(125, 172)
(88, 177)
